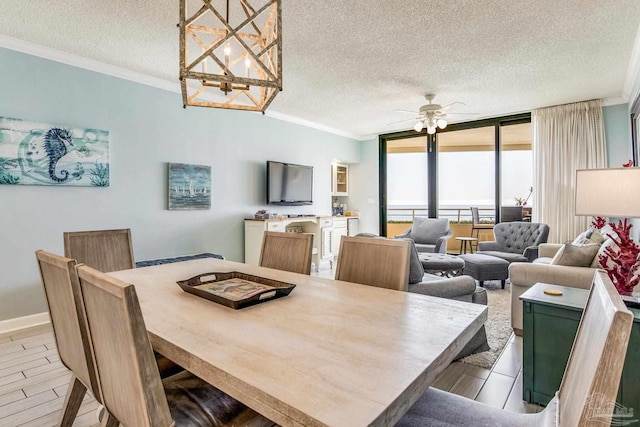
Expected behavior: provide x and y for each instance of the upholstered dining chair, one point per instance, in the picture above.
(377, 262)
(70, 330)
(287, 251)
(104, 250)
(589, 386)
(133, 393)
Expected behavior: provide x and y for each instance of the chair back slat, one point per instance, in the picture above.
(68, 317)
(104, 250)
(590, 383)
(475, 216)
(287, 251)
(131, 386)
(376, 262)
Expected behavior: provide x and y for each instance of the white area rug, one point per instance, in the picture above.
(498, 324)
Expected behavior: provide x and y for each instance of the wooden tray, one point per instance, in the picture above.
(272, 289)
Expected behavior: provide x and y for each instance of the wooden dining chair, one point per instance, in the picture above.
(133, 393)
(589, 386)
(287, 251)
(476, 225)
(373, 261)
(70, 330)
(104, 250)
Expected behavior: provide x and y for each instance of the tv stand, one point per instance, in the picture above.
(320, 226)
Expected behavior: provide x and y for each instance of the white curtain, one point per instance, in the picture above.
(565, 138)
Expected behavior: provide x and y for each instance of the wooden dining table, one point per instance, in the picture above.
(331, 353)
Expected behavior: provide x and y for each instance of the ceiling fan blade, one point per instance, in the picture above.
(402, 121)
(407, 111)
(451, 105)
(462, 114)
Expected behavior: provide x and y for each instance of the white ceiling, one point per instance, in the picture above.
(349, 64)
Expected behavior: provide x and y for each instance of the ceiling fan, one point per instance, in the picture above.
(431, 115)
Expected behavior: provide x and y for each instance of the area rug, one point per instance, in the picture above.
(498, 325)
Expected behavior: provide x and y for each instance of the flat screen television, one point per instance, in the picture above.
(289, 184)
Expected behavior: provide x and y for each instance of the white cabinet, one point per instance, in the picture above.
(320, 227)
(339, 230)
(339, 179)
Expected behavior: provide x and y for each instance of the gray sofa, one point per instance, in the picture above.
(429, 234)
(516, 241)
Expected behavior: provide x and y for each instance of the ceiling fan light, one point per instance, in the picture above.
(418, 126)
(431, 130)
(442, 123)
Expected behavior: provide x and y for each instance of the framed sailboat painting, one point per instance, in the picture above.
(189, 186)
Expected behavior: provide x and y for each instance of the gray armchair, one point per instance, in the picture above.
(516, 241)
(429, 234)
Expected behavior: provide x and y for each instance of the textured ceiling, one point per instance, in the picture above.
(349, 65)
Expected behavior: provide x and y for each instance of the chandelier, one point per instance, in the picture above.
(230, 54)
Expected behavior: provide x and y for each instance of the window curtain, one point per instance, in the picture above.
(565, 138)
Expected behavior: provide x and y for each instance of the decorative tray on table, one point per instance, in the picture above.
(235, 289)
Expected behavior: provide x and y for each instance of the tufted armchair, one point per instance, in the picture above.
(516, 241)
(429, 234)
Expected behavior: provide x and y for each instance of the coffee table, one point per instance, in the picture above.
(441, 264)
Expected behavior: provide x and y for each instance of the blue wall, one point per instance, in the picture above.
(617, 127)
(148, 128)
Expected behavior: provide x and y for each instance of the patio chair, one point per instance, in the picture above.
(133, 393)
(429, 234)
(587, 394)
(476, 225)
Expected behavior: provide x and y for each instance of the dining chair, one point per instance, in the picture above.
(589, 386)
(373, 261)
(63, 295)
(287, 251)
(104, 250)
(133, 393)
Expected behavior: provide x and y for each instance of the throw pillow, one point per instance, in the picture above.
(428, 230)
(590, 236)
(576, 255)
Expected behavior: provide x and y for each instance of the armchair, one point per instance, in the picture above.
(429, 234)
(516, 241)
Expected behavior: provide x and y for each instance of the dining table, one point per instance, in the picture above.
(331, 353)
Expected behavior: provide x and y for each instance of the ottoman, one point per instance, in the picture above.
(442, 264)
(485, 267)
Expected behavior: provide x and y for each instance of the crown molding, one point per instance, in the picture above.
(141, 78)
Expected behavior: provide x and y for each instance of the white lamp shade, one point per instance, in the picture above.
(418, 126)
(608, 192)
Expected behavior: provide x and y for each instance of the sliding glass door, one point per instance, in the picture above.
(485, 163)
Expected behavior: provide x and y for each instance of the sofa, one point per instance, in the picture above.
(524, 275)
(515, 241)
(429, 234)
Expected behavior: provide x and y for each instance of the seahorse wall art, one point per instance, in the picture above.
(34, 153)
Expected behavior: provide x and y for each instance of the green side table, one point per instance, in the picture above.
(550, 324)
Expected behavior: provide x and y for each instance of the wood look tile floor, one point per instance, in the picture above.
(33, 381)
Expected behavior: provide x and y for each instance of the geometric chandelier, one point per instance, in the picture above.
(230, 55)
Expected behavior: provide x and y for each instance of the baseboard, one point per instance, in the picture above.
(11, 325)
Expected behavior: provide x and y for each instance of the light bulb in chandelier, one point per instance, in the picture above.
(431, 130)
(442, 123)
(419, 126)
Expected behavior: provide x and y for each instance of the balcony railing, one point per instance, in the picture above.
(458, 215)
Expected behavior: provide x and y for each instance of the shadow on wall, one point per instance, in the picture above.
(31, 297)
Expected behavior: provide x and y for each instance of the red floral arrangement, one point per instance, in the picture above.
(621, 263)
(624, 259)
